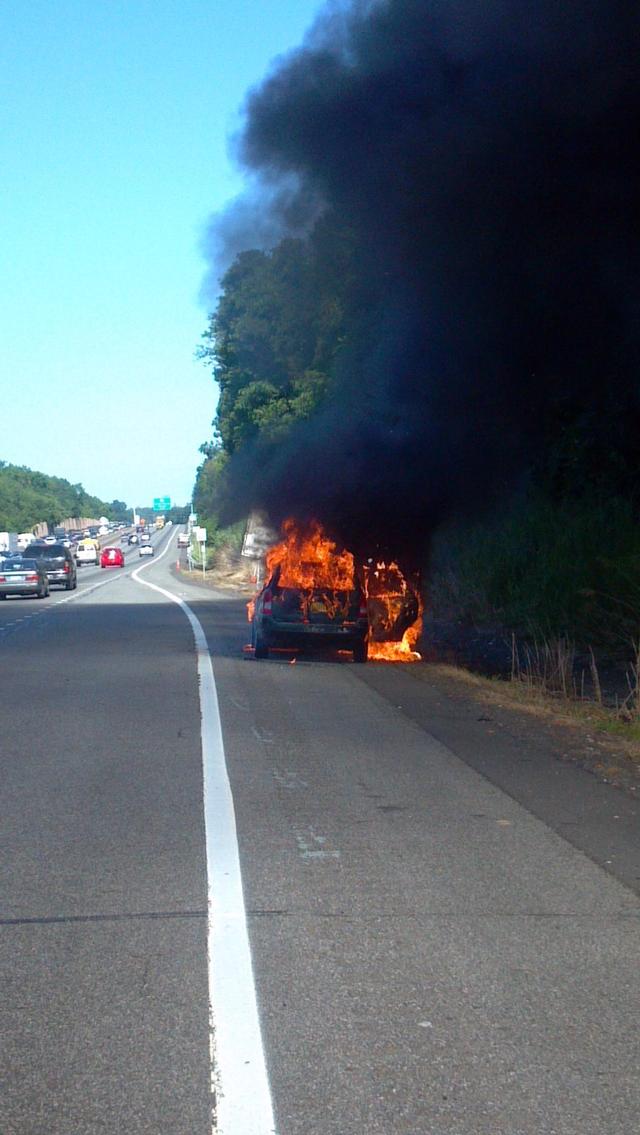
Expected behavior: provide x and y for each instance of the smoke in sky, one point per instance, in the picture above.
(486, 152)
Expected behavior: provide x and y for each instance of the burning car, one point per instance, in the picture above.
(315, 594)
(312, 597)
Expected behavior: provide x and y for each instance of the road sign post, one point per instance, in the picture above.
(201, 537)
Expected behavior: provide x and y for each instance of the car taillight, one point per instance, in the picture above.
(66, 566)
(32, 578)
(3, 579)
(267, 600)
(363, 609)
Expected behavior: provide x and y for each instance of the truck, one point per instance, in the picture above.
(159, 522)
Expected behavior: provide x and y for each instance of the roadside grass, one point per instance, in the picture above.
(224, 565)
(617, 740)
(565, 578)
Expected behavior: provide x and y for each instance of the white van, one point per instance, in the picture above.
(24, 539)
(87, 552)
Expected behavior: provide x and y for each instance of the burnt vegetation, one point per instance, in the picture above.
(426, 329)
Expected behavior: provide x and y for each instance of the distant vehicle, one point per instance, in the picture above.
(111, 557)
(23, 577)
(133, 539)
(146, 550)
(145, 538)
(103, 530)
(317, 617)
(24, 539)
(183, 540)
(87, 552)
(159, 522)
(57, 562)
(5, 541)
(49, 540)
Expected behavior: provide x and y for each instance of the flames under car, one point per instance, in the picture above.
(297, 617)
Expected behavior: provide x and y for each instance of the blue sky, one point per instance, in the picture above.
(115, 117)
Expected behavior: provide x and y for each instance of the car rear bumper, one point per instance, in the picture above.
(311, 634)
(21, 589)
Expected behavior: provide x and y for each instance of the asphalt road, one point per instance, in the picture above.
(443, 918)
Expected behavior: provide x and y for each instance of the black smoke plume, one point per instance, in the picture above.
(486, 152)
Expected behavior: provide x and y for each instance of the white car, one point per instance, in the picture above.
(146, 550)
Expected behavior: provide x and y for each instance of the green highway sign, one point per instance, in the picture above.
(161, 504)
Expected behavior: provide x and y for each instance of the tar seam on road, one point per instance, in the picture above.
(239, 1072)
(50, 920)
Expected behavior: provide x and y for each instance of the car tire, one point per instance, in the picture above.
(261, 650)
(360, 651)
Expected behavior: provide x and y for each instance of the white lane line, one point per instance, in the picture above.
(239, 1072)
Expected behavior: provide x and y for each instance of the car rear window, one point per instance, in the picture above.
(21, 565)
(37, 551)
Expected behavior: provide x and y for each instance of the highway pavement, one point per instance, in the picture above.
(443, 919)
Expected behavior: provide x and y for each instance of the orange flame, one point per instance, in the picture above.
(399, 651)
(390, 598)
(307, 559)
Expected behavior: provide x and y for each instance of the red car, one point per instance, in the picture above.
(111, 557)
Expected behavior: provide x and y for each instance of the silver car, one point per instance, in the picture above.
(23, 577)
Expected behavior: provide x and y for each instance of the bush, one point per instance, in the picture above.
(546, 569)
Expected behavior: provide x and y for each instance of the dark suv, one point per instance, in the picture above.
(58, 563)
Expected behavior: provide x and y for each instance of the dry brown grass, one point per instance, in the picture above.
(611, 742)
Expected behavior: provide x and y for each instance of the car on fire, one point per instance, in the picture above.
(298, 617)
(111, 557)
(23, 577)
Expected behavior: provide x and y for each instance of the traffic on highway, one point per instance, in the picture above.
(247, 896)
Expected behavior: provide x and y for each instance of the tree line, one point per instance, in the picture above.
(28, 497)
